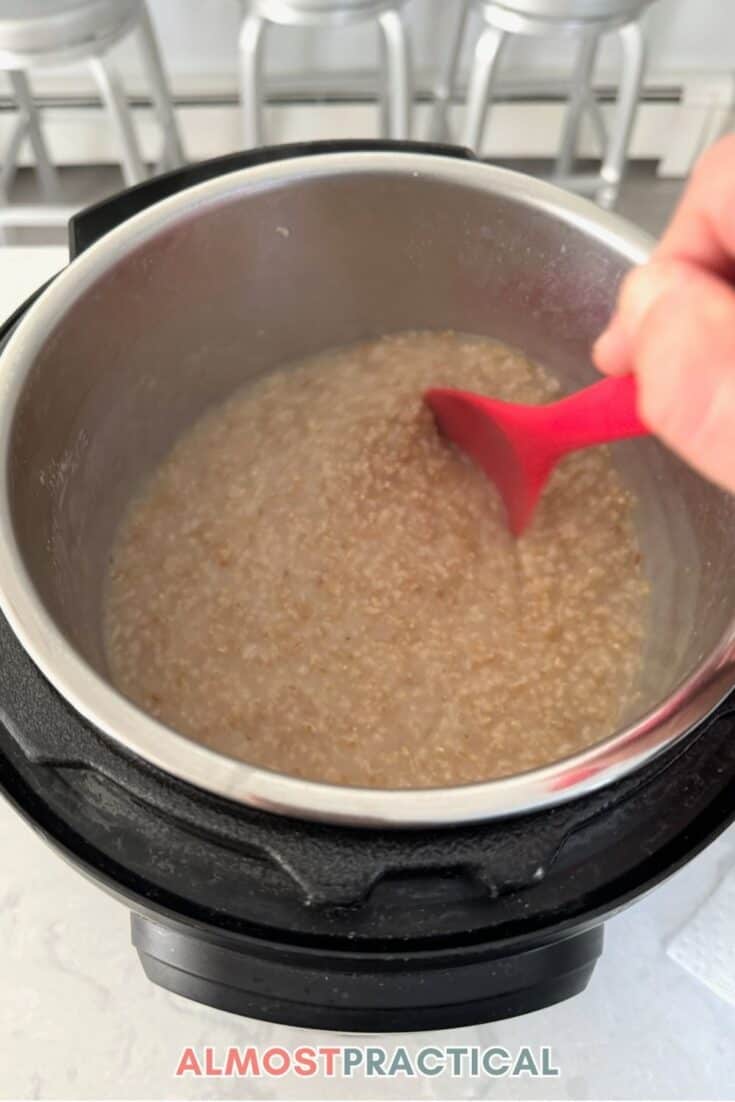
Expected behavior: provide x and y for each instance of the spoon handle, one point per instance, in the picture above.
(598, 414)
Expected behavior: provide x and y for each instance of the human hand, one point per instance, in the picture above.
(674, 325)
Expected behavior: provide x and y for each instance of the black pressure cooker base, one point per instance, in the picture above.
(335, 927)
(420, 992)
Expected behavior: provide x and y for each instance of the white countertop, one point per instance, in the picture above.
(78, 1020)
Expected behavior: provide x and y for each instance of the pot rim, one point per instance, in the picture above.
(135, 731)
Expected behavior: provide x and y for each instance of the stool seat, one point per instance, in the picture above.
(597, 11)
(320, 12)
(48, 26)
(330, 7)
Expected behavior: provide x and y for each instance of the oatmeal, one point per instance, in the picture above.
(316, 582)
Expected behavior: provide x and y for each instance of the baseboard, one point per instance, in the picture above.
(81, 134)
(670, 128)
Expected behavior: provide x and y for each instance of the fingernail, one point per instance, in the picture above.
(611, 350)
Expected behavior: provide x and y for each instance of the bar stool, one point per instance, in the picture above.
(587, 20)
(395, 95)
(39, 33)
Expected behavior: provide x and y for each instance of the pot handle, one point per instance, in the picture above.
(93, 222)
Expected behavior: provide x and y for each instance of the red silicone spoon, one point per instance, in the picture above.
(518, 446)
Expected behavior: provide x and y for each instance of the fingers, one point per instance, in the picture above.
(639, 292)
(701, 235)
(674, 324)
(680, 334)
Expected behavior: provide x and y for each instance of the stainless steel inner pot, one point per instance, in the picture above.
(174, 309)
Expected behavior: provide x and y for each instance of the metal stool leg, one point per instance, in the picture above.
(9, 163)
(487, 54)
(8, 169)
(115, 100)
(633, 47)
(446, 79)
(251, 91)
(397, 68)
(384, 89)
(598, 122)
(578, 100)
(173, 152)
(29, 113)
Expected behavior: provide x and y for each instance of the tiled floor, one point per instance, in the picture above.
(645, 199)
(648, 201)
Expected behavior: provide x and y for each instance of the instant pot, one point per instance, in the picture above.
(270, 896)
